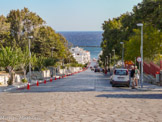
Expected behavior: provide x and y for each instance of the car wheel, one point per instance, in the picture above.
(113, 85)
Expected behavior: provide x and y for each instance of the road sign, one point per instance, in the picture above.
(139, 59)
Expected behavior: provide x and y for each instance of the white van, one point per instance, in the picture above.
(120, 77)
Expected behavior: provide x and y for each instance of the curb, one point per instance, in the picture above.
(23, 86)
(18, 87)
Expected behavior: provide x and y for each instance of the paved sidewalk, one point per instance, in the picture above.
(2, 88)
(22, 85)
(150, 87)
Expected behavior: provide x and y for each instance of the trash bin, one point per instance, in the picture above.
(157, 76)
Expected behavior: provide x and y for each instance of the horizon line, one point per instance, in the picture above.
(80, 31)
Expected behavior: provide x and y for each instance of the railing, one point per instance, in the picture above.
(152, 68)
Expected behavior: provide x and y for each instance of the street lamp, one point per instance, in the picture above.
(141, 25)
(107, 60)
(110, 58)
(29, 38)
(114, 57)
(122, 53)
(105, 64)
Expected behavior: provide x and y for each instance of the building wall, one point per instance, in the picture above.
(81, 56)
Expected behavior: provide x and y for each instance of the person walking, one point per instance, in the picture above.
(132, 77)
(136, 76)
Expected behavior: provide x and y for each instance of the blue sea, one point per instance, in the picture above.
(93, 50)
(88, 40)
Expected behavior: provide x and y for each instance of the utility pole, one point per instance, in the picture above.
(110, 59)
(107, 61)
(114, 57)
(30, 37)
(122, 54)
(141, 25)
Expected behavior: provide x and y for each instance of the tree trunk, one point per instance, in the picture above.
(12, 76)
(24, 70)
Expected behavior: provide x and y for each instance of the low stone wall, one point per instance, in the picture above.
(39, 75)
(69, 70)
(36, 75)
(5, 78)
(46, 73)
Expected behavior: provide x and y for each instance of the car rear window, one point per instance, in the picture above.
(121, 72)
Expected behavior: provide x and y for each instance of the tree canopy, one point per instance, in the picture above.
(19, 25)
(124, 29)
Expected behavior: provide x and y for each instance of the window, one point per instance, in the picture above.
(121, 72)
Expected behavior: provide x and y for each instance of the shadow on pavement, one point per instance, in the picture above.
(132, 96)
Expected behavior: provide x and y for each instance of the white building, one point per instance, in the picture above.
(81, 56)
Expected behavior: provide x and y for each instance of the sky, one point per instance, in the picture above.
(72, 15)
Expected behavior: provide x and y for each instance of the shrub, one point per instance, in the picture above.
(9, 82)
(62, 67)
(24, 80)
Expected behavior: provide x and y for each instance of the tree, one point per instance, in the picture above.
(24, 61)
(10, 58)
(15, 30)
(40, 63)
(151, 43)
(23, 24)
(124, 29)
(4, 31)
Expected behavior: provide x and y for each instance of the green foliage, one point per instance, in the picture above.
(25, 59)
(151, 44)
(124, 29)
(15, 30)
(62, 67)
(157, 59)
(10, 57)
(4, 31)
(40, 63)
(9, 82)
(24, 80)
(50, 62)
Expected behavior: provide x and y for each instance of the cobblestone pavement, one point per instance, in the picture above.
(85, 97)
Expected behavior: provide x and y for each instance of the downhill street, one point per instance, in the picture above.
(84, 97)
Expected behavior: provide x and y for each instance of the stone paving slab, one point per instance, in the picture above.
(81, 107)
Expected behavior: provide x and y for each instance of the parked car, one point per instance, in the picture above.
(120, 77)
(97, 70)
(92, 69)
(101, 69)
